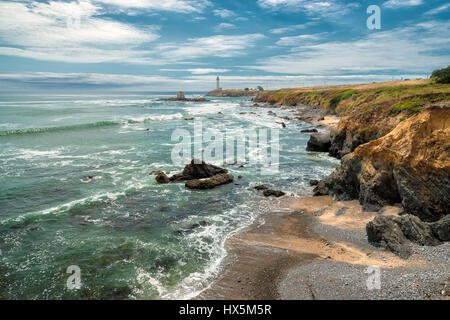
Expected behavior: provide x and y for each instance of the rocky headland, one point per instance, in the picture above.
(232, 93)
(394, 142)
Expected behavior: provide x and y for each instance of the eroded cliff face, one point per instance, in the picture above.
(360, 127)
(410, 164)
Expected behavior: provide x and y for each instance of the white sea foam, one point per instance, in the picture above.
(210, 108)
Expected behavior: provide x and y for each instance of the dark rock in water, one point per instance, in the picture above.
(181, 97)
(309, 131)
(197, 170)
(261, 187)
(441, 228)
(199, 175)
(210, 183)
(282, 124)
(394, 233)
(313, 183)
(240, 177)
(319, 142)
(192, 228)
(270, 193)
(162, 178)
(189, 119)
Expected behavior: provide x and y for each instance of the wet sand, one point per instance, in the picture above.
(316, 248)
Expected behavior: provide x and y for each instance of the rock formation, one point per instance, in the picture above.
(394, 233)
(319, 142)
(181, 97)
(199, 175)
(269, 193)
(210, 183)
(410, 165)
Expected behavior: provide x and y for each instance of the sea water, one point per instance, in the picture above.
(121, 228)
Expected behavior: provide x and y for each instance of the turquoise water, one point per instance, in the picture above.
(120, 228)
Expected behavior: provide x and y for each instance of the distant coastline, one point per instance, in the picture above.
(232, 93)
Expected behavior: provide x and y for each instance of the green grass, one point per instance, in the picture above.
(392, 100)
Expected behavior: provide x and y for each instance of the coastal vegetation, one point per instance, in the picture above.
(442, 75)
(390, 98)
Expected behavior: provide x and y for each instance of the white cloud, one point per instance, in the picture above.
(402, 3)
(416, 48)
(198, 71)
(183, 6)
(41, 31)
(224, 46)
(299, 40)
(224, 26)
(438, 9)
(292, 28)
(329, 8)
(223, 13)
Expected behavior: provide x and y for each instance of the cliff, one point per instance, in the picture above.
(409, 165)
(394, 142)
(368, 111)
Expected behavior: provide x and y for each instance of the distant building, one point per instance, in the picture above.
(218, 84)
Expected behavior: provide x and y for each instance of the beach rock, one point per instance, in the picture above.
(197, 170)
(274, 193)
(309, 131)
(199, 175)
(313, 183)
(395, 232)
(261, 187)
(410, 165)
(162, 178)
(210, 183)
(319, 142)
(441, 228)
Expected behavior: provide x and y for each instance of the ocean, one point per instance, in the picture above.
(75, 190)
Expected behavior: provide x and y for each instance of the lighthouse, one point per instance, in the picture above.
(218, 83)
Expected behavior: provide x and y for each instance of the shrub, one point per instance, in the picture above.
(442, 75)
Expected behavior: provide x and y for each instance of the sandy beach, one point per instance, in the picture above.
(316, 248)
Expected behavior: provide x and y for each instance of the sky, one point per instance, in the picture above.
(167, 45)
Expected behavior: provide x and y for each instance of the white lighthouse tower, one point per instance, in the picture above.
(218, 83)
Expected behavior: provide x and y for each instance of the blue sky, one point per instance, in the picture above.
(184, 44)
